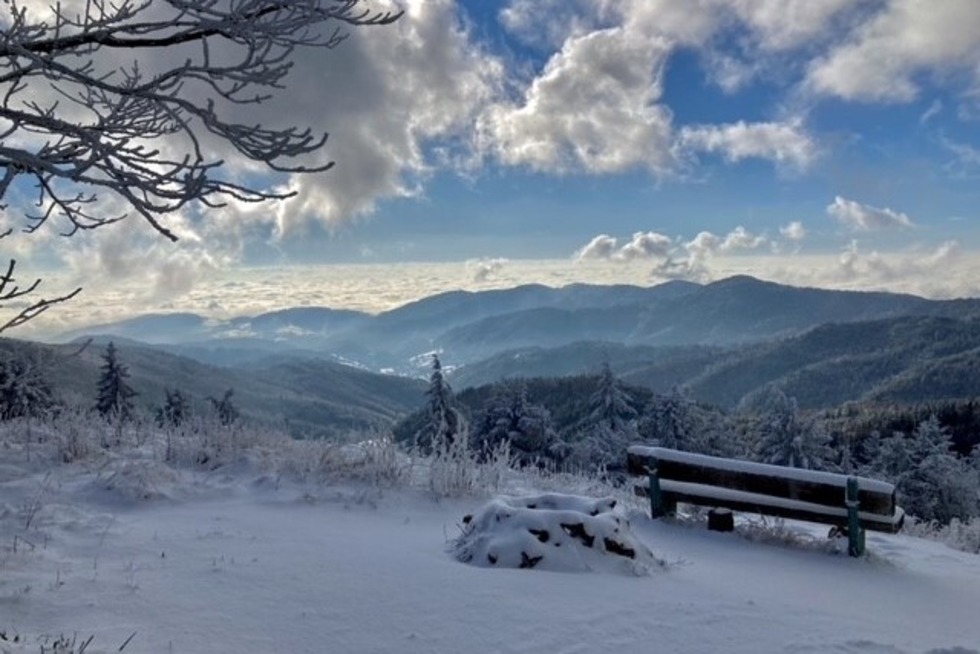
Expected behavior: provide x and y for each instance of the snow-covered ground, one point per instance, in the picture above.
(235, 560)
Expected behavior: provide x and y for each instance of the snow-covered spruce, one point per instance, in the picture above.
(561, 533)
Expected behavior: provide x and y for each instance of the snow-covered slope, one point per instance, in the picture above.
(236, 561)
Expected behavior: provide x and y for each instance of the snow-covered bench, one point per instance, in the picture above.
(850, 503)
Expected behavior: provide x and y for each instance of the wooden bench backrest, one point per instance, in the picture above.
(822, 488)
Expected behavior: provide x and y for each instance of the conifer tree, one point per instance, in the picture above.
(510, 416)
(445, 422)
(115, 396)
(785, 438)
(175, 410)
(611, 405)
(602, 437)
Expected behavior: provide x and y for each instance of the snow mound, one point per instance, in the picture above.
(560, 533)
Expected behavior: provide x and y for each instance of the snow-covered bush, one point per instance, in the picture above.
(563, 533)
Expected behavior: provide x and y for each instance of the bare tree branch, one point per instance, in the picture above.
(84, 126)
(10, 291)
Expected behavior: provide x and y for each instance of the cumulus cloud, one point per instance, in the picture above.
(882, 60)
(602, 246)
(795, 231)
(785, 143)
(673, 258)
(597, 105)
(594, 108)
(388, 97)
(863, 217)
(693, 259)
(646, 245)
(641, 247)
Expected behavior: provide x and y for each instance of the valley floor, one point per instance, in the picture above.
(246, 563)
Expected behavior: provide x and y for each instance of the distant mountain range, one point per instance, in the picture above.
(471, 326)
(722, 341)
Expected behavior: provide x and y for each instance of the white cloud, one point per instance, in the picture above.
(875, 269)
(643, 246)
(785, 143)
(693, 260)
(594, 108)
(863, 217)
(795, 231)
(523, 18)
(602, 246)
(385, 95)
(786, 24)
(882, 59)
(647, 245)
(741, 239)
(132, 252)
(673, 258)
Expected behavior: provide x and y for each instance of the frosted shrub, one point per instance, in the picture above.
(453, 468)
(492, 472)
(75, 433)
(959, 534)
(382, 464)
(373, 458)
(963, 535)
(205, 442)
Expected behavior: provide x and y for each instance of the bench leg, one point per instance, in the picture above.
(855, 532)
(660, 504)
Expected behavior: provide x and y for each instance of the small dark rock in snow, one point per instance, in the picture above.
(530, 561)
(578, 531)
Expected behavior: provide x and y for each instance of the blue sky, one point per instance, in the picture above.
(910, 148)
(661, 138)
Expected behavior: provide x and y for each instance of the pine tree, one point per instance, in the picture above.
(667, 421)
(175, 410)
(785, 438)
(446, 422)
(893, 458)
(115, 397)
(601, 439)
(510, 416)
(933, 483)
(611, 405)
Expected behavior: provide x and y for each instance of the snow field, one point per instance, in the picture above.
(243, 560)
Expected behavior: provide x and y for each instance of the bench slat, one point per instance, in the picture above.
(701, 495)
(816, 488)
